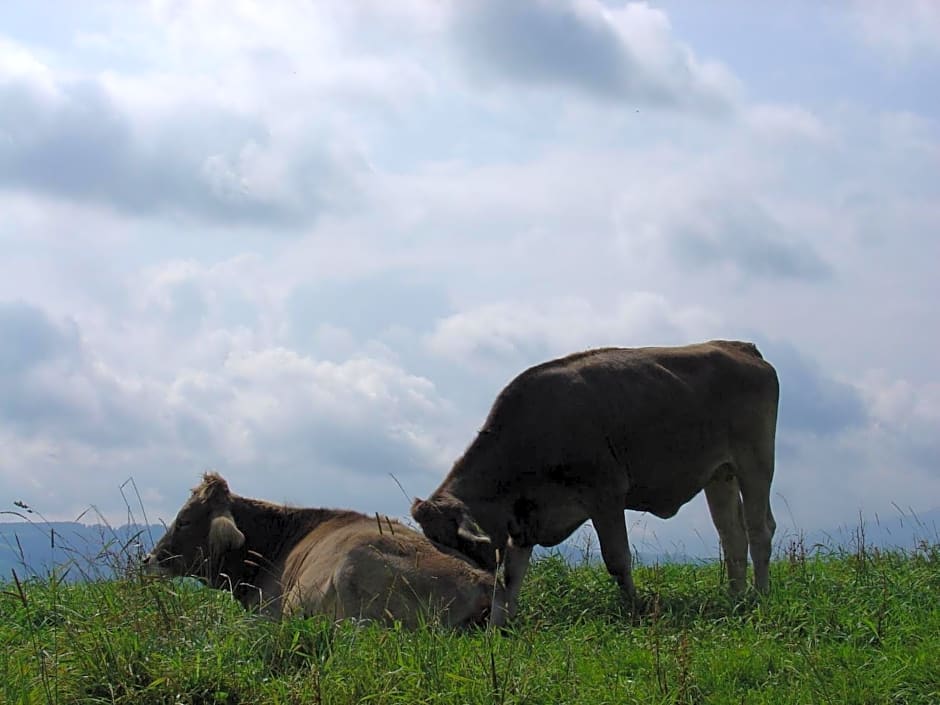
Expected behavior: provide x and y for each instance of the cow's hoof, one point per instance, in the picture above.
(635, 604)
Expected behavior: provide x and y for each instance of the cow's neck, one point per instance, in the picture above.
(478, 476)
(271, 530)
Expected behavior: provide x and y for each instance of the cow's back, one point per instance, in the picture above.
(644, 383)
(363, 569)
(311, 561)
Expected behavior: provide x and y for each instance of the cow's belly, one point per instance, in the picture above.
(661, 503)
(667, 470)
(664, 490)
(558, 532)
(550, 522)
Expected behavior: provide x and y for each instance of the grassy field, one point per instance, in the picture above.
(854, 626)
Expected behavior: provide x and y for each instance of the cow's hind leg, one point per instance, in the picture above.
(724, 503)
(755, 491)
(611, 528)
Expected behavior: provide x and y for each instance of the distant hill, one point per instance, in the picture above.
(84, 551)
(80, 551)
(902, 530)
(575, 554)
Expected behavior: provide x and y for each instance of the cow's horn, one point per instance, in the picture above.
(471, 531)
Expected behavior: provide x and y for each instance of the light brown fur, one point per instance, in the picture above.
(305, 561)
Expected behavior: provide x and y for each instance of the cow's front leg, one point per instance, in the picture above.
(515, 564)
(611, 528)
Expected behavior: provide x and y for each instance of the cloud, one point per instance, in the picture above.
(512, 333)
(397, 300)
(28, 339)
(187, 297)
(742, 235)
(49, 385)
(626, 55)
(160, 138)
(263, 413)
(785, 122)
(212, 164)
(17, 64)
(906, 415)
(812, 401)
(902, 31)
(362, 418)
(716, 216)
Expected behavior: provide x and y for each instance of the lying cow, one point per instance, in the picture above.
(589, 435)
(294, 561)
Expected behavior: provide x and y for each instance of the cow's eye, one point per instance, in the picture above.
(183, 523)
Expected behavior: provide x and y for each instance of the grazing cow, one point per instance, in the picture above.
(589, 435)
(296, 561)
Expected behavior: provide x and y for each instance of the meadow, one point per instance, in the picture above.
(840, 626)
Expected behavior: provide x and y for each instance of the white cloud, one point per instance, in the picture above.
(513, 333)
(17, 63)
(269, 411)
(902, 31)
(909, 412)
(785, 122)
(232, 141)
(212, 165)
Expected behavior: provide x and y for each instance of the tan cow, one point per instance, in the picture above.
(302, 561)
(589, 435)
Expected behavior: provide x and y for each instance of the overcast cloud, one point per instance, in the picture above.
(308, 244)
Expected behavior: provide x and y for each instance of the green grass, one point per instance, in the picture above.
(839, 627)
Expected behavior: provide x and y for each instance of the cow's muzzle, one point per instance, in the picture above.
(153, 565)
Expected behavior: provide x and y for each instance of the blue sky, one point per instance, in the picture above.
(307, 244)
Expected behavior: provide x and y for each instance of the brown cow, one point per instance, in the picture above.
(589, 435)
(297, 561)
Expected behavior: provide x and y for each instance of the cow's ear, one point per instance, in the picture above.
(224, 535)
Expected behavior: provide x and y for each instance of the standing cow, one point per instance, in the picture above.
(589, 435)
(302, 561)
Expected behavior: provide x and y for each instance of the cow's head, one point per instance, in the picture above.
(446, 521)
(203, 536)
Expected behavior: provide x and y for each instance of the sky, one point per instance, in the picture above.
(307, 243)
